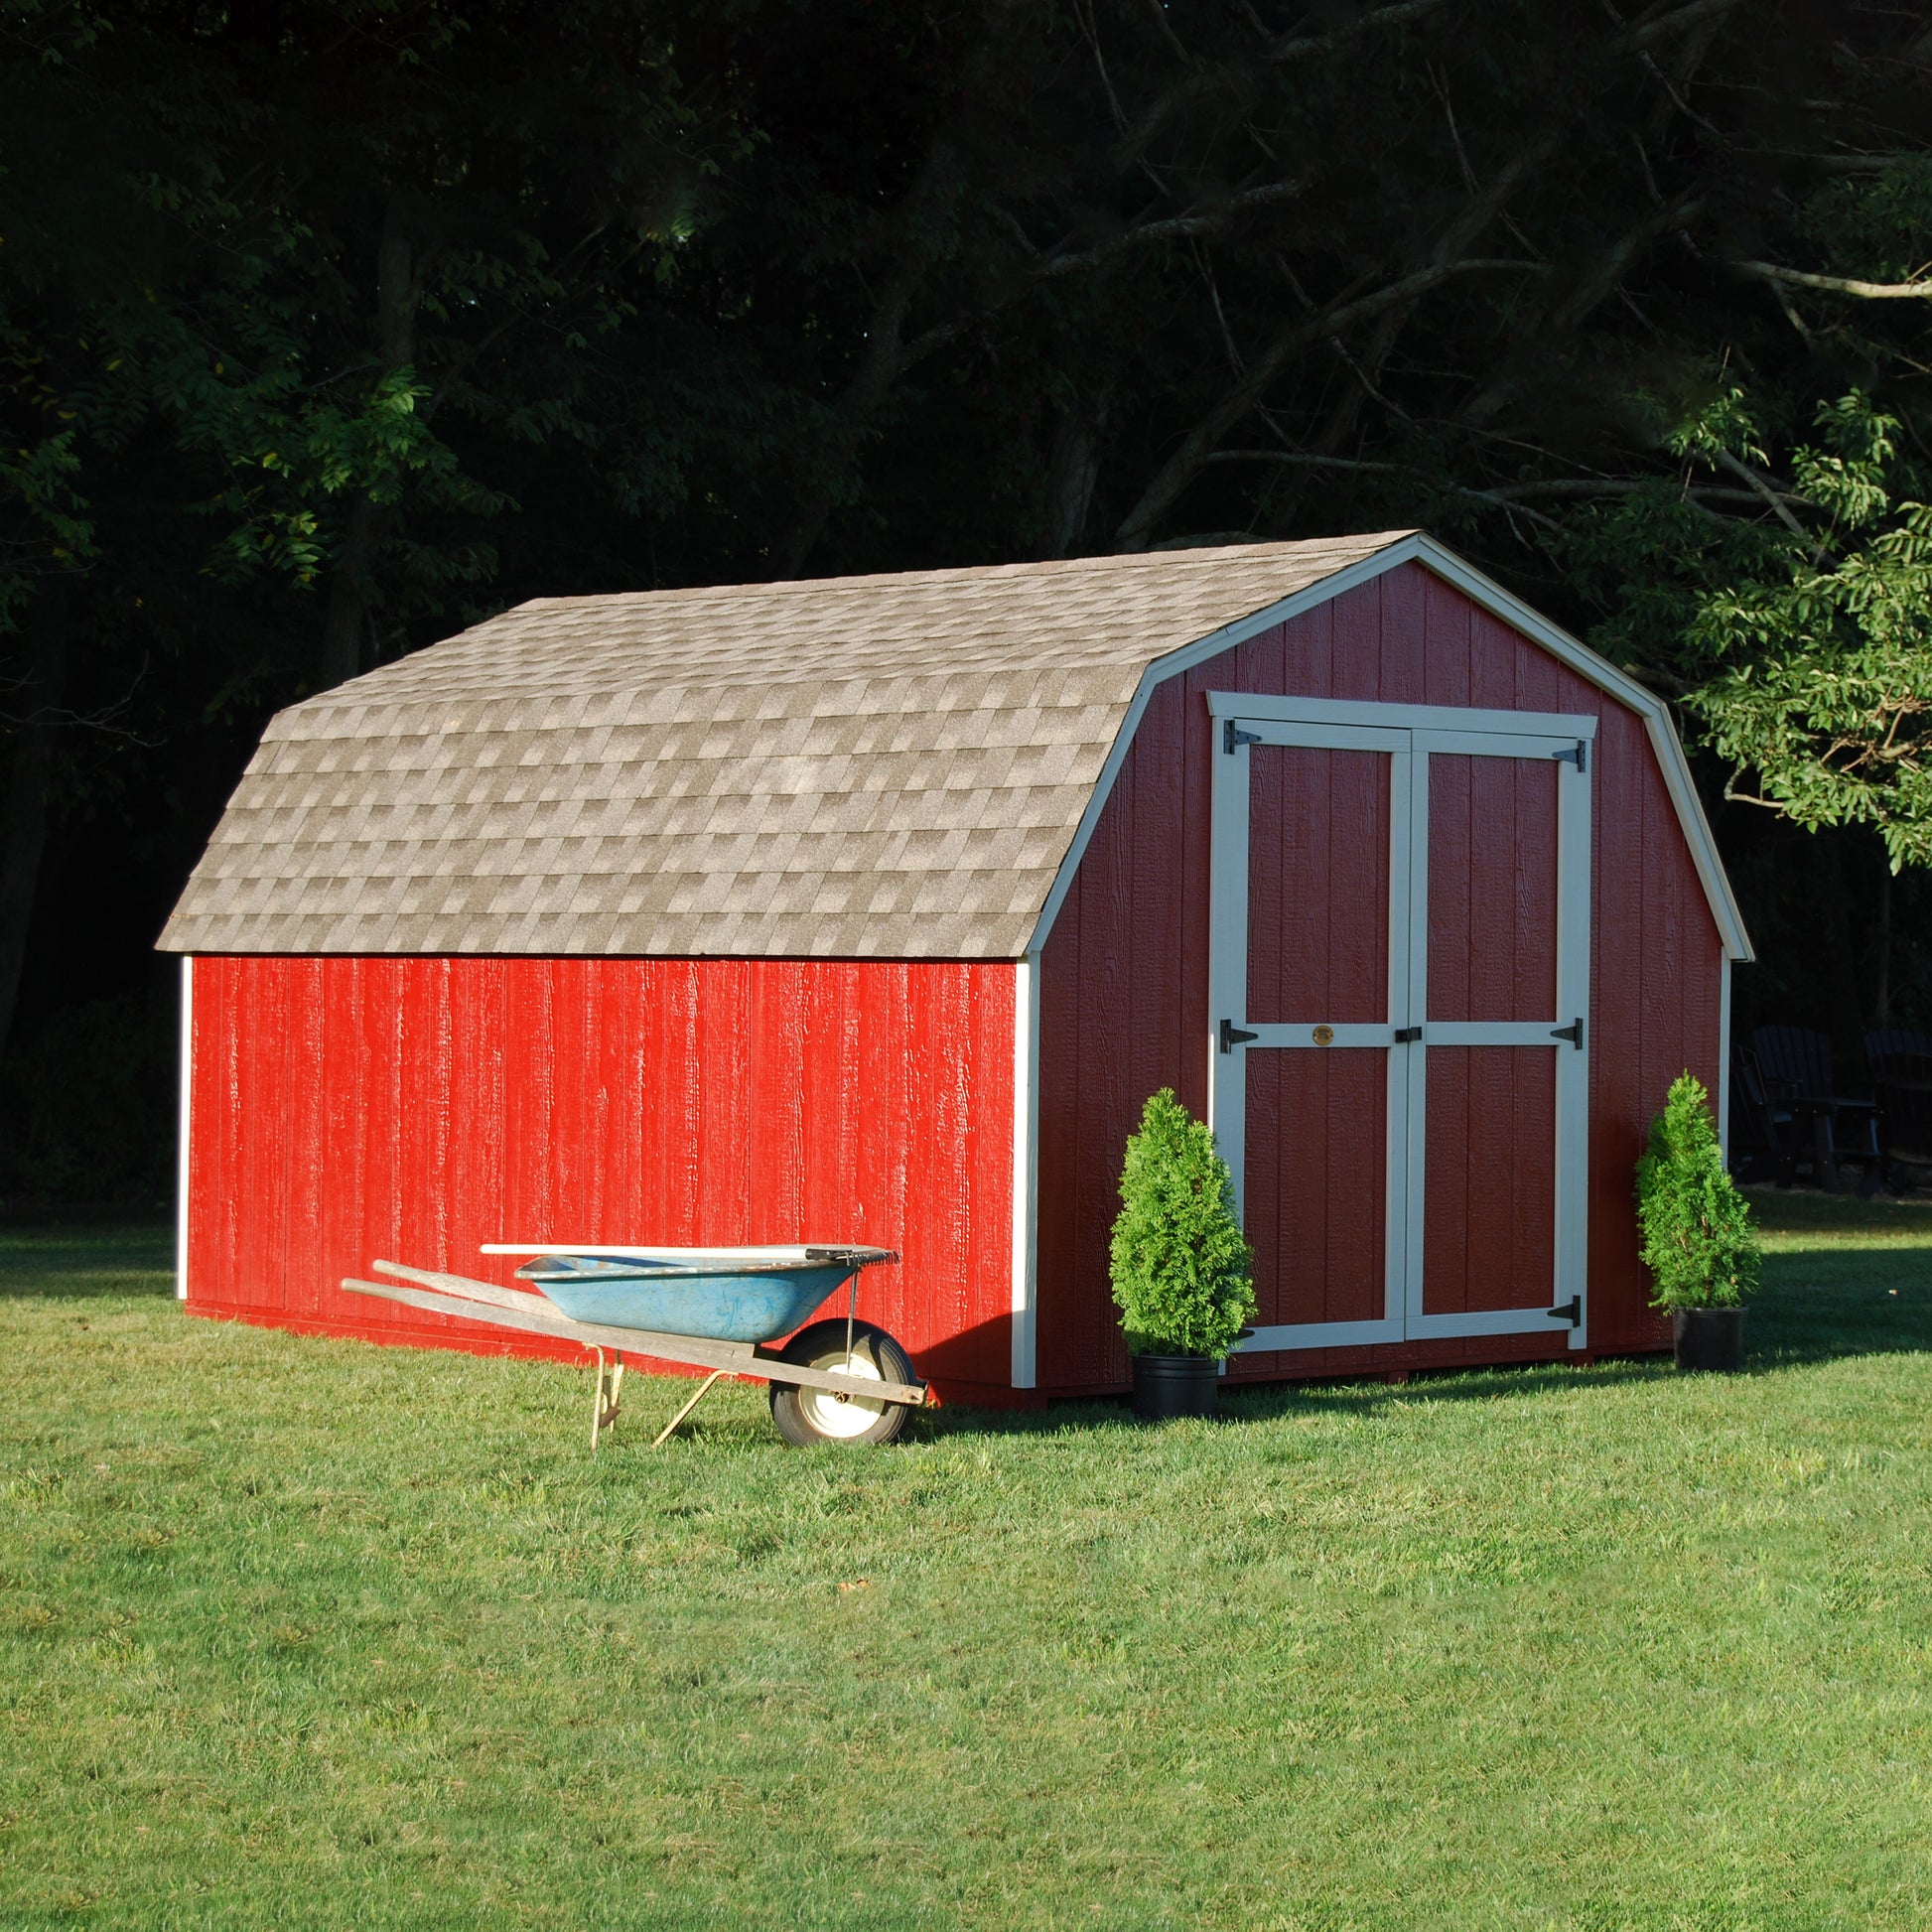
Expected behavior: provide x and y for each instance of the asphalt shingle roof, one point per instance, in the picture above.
(859, 766)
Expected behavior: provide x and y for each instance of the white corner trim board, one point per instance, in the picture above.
(1026, 1128)
(1499, 602)
(182, 1122)
(1724, 1055)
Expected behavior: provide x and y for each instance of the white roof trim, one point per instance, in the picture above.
(1499, 602)
(1171, 665)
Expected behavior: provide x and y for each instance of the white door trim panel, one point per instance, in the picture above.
(1405, 734)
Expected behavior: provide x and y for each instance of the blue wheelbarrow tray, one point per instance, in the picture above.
(710, 1308)
(732, 1300)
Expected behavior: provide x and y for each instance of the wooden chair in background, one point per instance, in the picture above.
(1796, 1066)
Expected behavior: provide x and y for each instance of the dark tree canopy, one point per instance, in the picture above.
(326, 329)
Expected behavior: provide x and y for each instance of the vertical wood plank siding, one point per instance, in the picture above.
(352, 1109)
(1124, 974)
(1489, 1237)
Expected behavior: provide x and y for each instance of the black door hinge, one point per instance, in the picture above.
(1570, 1311)
(1573, 1033)
(1578, 754)
(1232, 734)
(1403, 1033)
(1233, 1036)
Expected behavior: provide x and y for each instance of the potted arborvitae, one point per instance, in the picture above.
(1182, 1272)
(1698, 1241)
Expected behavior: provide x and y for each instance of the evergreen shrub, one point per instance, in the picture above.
(1182, 1271)
(1698, 1241)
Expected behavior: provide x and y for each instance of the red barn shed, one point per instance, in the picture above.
(871, 910)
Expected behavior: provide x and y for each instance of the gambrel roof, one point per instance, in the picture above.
(888, 767)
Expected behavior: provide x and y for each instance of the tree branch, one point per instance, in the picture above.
(1180, 467)
(1799, 278)
(1278, 52)
(1292, 47)
(1176, 227)
(1648, 32)
(1604, 276)
(1506, 496)
(1760, 489)
(1136, 529)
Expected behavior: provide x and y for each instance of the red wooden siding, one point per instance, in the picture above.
(1315, 1180)
(1489, 1183)
(1492, 888)
(1490, 1139)
(345, 1110)
(1123, 977)
(1316, 1218)
(1332, 849)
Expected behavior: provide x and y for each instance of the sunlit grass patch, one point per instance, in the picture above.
(313, 1632)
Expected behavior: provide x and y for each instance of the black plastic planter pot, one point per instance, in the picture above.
(1175, 1385)
(1709, 1341)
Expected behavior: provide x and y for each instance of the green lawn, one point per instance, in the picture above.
(297, 1633)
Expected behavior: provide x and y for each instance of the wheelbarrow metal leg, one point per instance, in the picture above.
(604, 1396)
(704, 1389)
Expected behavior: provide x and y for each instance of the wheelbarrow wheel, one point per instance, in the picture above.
(808, 1416)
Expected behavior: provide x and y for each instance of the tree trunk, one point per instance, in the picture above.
(29, 785)
(346, 621)
(1881, 987)
(351, 585)
(1846, 1006)
(1073, 470)
(918, 220)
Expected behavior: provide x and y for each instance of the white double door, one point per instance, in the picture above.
(1399, 979)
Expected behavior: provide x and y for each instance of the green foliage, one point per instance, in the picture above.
(1824, 679)
(413, 309)
(1699, 1240)
(1182, 1268)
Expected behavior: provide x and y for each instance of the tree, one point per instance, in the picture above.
(1822, 670)
(1698, 1241)
(1182, 1269)
(326, 330)
(317, 276)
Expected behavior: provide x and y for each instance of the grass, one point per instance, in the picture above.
(312, 1634)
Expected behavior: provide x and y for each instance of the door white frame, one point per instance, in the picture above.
(1407, 734)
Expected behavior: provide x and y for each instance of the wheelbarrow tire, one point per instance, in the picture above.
(808, 1416)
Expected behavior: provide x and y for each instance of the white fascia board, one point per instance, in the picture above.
(184, 1124)
(1172, 665)
(1723, 1059)
(1025, 1137)
(1670, 760)
(1499, 602)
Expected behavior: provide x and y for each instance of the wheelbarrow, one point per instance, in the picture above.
(719, 1310)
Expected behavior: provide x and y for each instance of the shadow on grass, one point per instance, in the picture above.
(1825, 1301)
(1265, 1402)
(1790, 1325)
(78, 1262)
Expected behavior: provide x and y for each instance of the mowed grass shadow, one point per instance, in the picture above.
(85, 1263)
(1842, 1277)
(1253, 1403)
